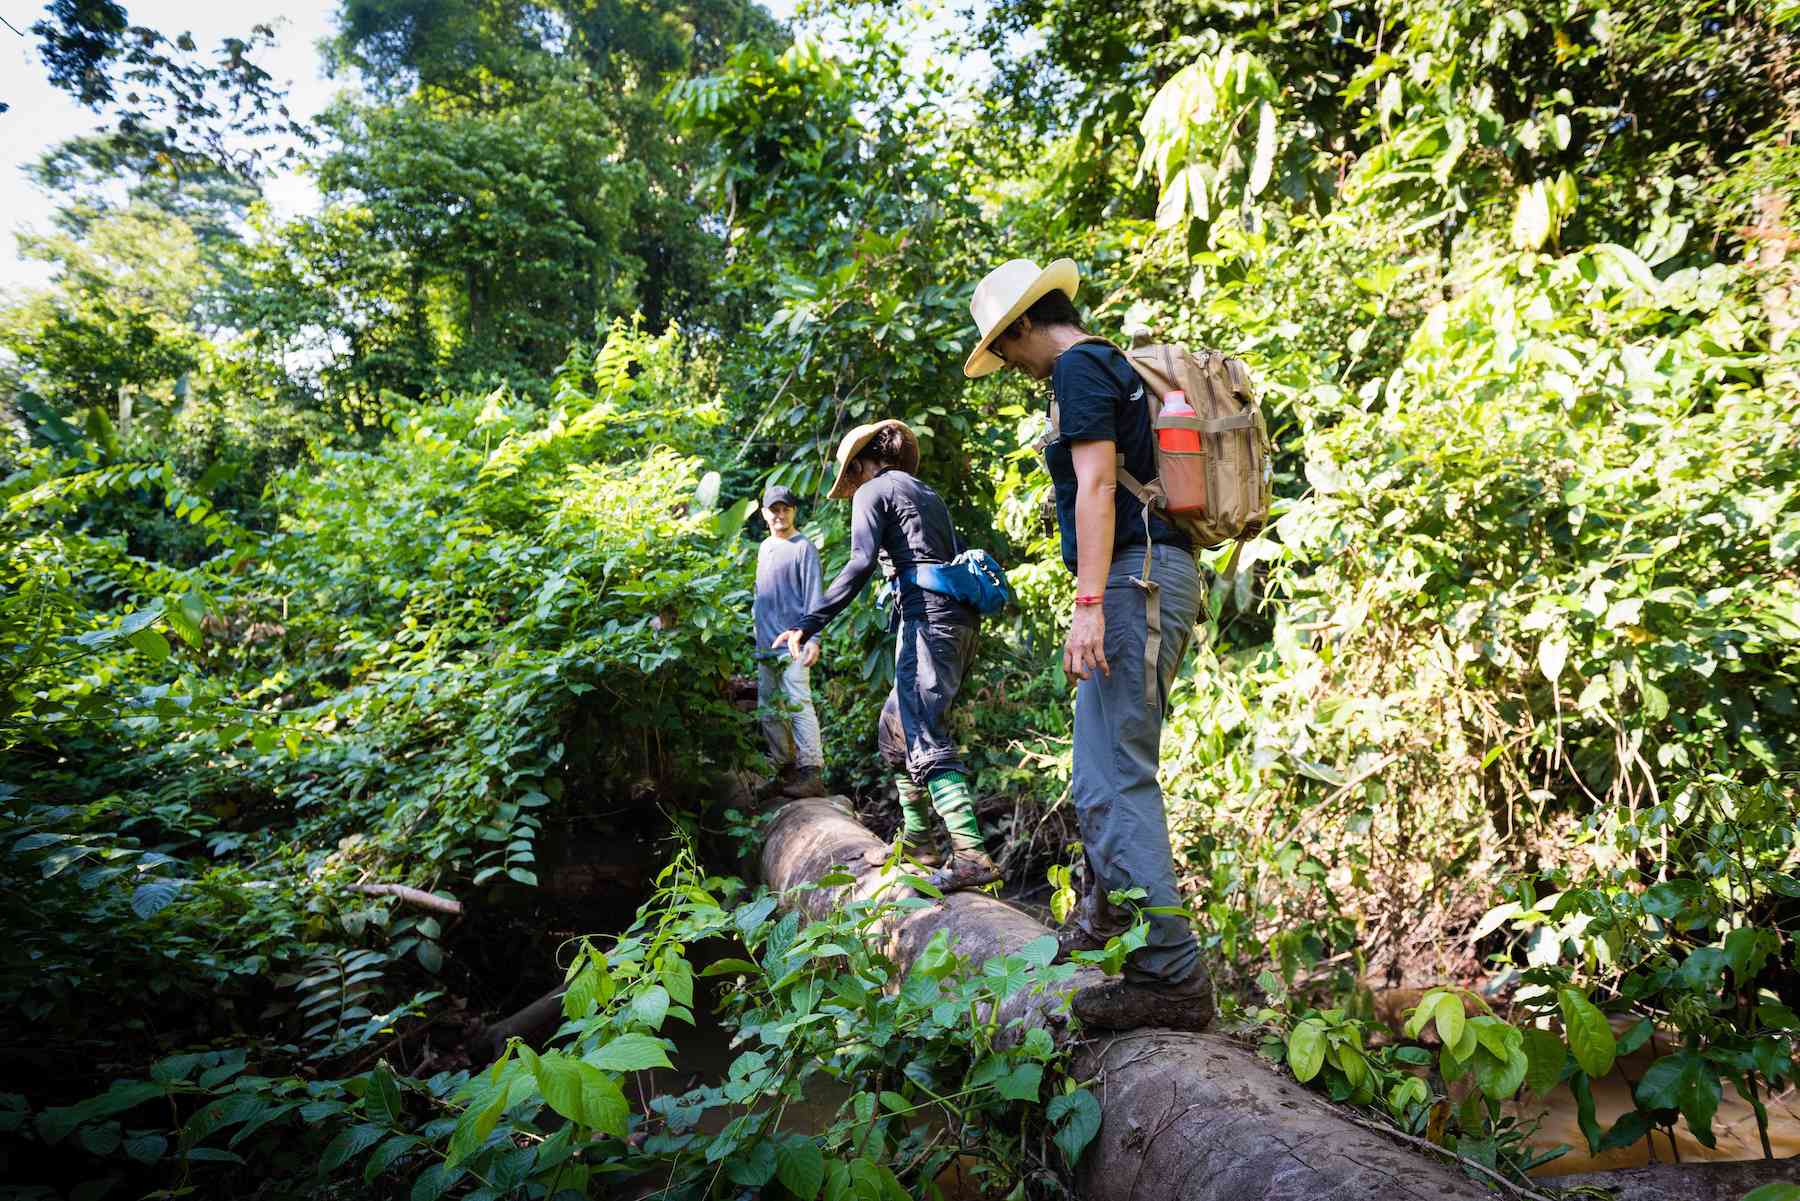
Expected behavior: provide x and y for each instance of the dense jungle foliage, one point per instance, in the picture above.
(410, 542)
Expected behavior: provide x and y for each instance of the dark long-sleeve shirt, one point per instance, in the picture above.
(896, 515)
(788, 584)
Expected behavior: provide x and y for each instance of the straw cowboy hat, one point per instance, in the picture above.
(860, 437)
(1002, 297)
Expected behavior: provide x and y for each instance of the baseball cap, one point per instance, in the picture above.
(779, 494)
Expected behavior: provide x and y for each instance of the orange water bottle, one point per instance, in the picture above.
(1180, 462)
(1178, 441)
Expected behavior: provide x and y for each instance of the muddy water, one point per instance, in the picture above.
(1734, 1126)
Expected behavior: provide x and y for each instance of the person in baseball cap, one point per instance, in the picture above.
(788, 583)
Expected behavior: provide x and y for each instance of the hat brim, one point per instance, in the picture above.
(1060, 276)
(909, 454)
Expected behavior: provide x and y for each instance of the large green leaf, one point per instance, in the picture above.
(1547, 1057)
(800, 1166)
(1451, 1021)
(1590, 1037)
(1076, 1117)
(582, 1093)
(1306, 1049)
(630, 1053)
(1684, 1081)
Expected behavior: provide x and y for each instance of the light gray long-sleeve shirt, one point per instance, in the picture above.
(789, 584)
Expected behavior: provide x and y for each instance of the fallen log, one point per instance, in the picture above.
(1184, 1117)
(534, 1023)
(1194, 1117)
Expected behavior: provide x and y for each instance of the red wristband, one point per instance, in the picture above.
(1090, 600)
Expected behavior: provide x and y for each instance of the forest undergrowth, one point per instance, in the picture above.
(409, 543)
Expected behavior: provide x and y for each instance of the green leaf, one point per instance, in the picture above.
(1702, 969)
(730, 967)
(1546, 1058)
(384, 1156)
(582, 1093)
(800, 1166)
(1747, 950)
(146, 1148)
(1584, 1109)
(153, 896)
(476, 1123)
(382, 1100)
(1632, 1125)
(650, 1006)
(151, 644)
(348, 1145)
(630, 1053)
(1590, 1037)
(755, 1167)
(1076, 1117)
(435, 1181)
(1530, 230)
(1684, 1081)
(1040, 951)
(1451, 1020)
(1499, 1078)
(730, 521)
(1306, 1049)
(1021, 1084)
(1775, 1191)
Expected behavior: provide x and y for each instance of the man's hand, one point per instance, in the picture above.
(1086, 648)
(807, 652)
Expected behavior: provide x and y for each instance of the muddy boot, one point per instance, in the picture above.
(802, 782)
(967, 869)
(921, 853)
(1130, 1004)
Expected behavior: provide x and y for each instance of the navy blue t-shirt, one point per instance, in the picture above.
(1094, 386)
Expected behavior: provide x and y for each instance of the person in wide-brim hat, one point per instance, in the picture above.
(1137, 598)
(1002, 297)
(852, 444)
(897, 516)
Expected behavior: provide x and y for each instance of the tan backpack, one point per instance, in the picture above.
(1222, 492)
(1216, 495)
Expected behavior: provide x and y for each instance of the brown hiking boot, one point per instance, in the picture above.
(967, 869)
(921, 853)
(1130, 1004)
(1076, 937)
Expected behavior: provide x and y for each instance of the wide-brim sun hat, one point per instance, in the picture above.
(1002, 297)
(853, 442)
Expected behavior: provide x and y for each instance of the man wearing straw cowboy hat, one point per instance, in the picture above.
(1125, 618)
(894, 514)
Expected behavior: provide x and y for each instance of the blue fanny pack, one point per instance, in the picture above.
(975, 578)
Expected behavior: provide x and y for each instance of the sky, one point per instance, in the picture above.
(41, 116)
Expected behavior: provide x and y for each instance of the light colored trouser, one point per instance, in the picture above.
(1118, 742)
(784, 694)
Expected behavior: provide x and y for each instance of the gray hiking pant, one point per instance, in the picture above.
(784, 695)
(913, 734)
(1118, 741)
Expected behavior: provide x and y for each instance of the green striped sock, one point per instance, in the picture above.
(915, 825)
(951, 797)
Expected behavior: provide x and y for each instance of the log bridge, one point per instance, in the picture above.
(1195, 1117)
